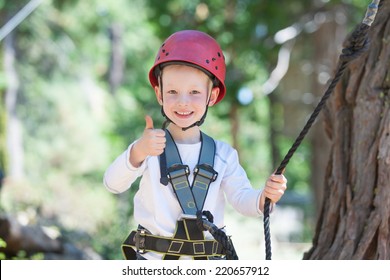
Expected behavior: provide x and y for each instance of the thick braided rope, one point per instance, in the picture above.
(356, 45)
(227, 244)
(218, 234)
(294, 147)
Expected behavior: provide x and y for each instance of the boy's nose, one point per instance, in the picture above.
(183, 99)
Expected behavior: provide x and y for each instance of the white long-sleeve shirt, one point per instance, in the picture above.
(156, 207)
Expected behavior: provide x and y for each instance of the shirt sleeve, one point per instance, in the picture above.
(238, 189)
(121, 173)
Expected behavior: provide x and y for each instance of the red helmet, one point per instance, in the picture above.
(195, 48)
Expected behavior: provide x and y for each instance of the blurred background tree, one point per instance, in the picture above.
(74, 93)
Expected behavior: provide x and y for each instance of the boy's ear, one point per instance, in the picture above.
(214, 96)
(158, 95)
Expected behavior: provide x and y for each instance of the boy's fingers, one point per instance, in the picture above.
(278, 178)
(149, 122)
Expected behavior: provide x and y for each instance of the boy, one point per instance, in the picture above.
(183, 170)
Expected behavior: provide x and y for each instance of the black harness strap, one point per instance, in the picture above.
(143, 241)
(188, 230)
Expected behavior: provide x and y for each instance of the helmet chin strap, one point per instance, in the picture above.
(197, 123)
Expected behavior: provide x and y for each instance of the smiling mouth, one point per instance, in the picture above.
(184, 114)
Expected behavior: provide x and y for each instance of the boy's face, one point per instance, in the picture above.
(185, 94)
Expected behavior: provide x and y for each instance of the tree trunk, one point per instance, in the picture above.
(13, 124)
(117, 62)
(30, 239)
(235, 125)
(354, 222)
(25, 241)
(273, 131)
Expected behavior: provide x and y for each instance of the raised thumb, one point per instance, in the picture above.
(149, 122)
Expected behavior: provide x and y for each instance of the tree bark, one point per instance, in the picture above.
(354, 222)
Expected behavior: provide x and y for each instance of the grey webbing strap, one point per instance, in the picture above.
(191, 198)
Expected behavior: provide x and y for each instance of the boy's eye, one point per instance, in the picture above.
(172, 91)
(195, 92)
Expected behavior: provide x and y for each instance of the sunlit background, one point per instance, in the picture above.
(74, 93)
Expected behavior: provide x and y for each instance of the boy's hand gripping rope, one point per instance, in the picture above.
(356, 45)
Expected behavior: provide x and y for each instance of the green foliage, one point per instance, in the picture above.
(63, 102)
(73, 126)
(2, 138)
(3, 244)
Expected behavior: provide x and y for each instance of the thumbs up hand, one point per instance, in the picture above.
(151, 143)
(153, 140)
(149, 122)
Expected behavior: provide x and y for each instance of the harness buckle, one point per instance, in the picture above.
(140, 241)
(186, 217)
(177, 170)
(206, 171)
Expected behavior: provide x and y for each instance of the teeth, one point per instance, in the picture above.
(183, 113)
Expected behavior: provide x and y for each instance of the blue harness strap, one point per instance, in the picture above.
(191, 197)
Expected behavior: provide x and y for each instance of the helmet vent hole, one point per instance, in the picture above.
(158, 58)
(216, 67)
(214, 59)
(163, 50)
(167, 54)
(219, 54)
(207, 61)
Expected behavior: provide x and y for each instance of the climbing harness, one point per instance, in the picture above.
(358, 43)
(191, 198)
(188, 239)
